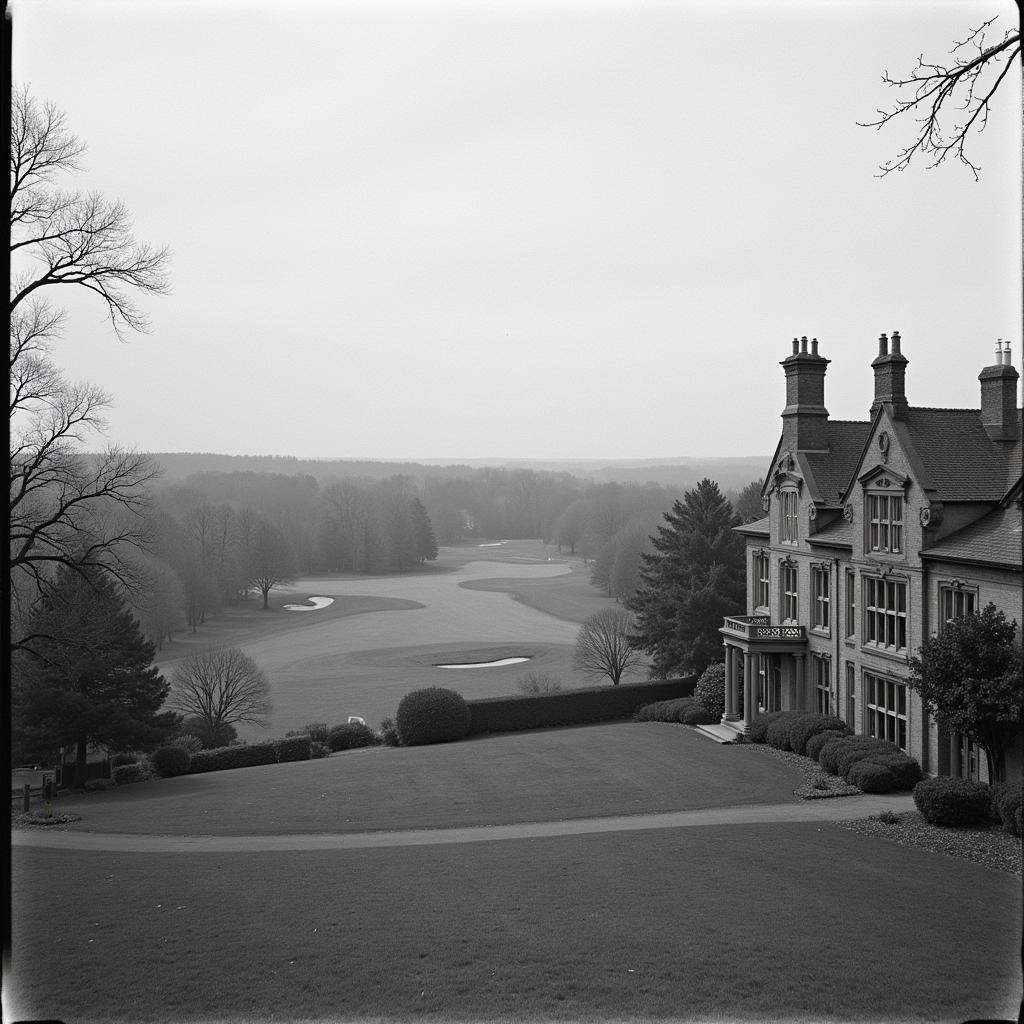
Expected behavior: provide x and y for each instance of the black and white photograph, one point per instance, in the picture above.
(515, 512)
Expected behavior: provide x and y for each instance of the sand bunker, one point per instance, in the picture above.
(487, 664)
(314, 604)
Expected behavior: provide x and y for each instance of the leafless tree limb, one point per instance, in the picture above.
(605, 645)
(949, 100)
(221, 687)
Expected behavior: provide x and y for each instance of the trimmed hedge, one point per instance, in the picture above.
(830, 754)
(1005, 800)
(318, 750)
(665, 710)
(169, 761)
(242, 755)
(905, 769)
(389, 733)
(572, 707)
(138, 771)
(697, 714)
(432, 715)
(710, 691)
(804, 727)
(294, 748)
(871, 777)
(777, 733)
(854, 753)
(350, 736)
(759, 727)
(819, 739)
(945, 801)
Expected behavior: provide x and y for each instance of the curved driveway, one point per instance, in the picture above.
(834, 809)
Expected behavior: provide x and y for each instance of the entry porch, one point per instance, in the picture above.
(765, 669)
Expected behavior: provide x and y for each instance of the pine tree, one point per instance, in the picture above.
(90, 678)
(692, 579)
(426, 544)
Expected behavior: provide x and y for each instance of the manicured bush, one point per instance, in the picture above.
(572, 707)
(389, 733)
(697, 714)
(871, 777)
(905, 769)
(432, 715)
(849, 757)
(294, 748)
(777, 733)
(138, 771)
(710, 691)
(803, 727)
(759, 727)
(351, 735)
(654, 712)
(819, 739)
(242, 755)
(945, 801)
(1005, 801)
(168, 761)
(318, 750)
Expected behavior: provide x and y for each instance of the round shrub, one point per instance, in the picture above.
(871, 778)
(168, 761)
(871, 746)
(697, 714)
(1005, 800)
(677, 710)
(945, 801)
(777, 733)
(759, 727)
(432, 715)
(709, 692)
(350, 736)
(803, 727)
(830, 754)
(819, 739)
(905, 769)
(138, 771)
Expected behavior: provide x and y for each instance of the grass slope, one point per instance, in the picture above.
(740, 923)
(621, 768)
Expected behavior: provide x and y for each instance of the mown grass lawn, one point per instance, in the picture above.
(546, 775)
(753, 923)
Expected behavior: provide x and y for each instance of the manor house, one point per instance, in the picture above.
(877, 532)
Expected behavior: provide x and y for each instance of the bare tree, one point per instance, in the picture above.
(221, 687)
(949, 99)
(272, 559)
(605, 646)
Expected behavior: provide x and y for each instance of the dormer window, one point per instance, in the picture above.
(788, 517)
(885, 523)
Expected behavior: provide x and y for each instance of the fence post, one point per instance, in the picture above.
(26, 798)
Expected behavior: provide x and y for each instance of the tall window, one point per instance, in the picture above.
(851, 603)
(762, 581)
(886, 709)
(955, 603)
(885, 613)
(885, 522)
(789, 595)
(820, 595)
(789, 517)
(851, 696)
(822, 688)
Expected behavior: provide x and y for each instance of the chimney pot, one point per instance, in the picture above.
(803, 344)
(1007, 358)
(796, 346)
(814, 346)
(895, 350)
(883, 345)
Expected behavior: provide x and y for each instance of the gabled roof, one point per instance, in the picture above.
(995, 539)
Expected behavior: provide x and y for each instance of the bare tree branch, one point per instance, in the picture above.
(221, 687)
(949, 100)
(605, 645)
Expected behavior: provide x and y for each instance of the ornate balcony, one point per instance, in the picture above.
(759, 628)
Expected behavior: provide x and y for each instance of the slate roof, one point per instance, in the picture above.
(758, 528)
(995, 539)
(832, 470)
(838, 535)
(964, 463)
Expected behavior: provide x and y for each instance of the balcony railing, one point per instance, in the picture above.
(759, 627)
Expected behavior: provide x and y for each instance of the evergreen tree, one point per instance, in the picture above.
(90, 678)
(426, 544)
(692, 579)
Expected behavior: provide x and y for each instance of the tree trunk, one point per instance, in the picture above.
(266, 592)
(81, 758)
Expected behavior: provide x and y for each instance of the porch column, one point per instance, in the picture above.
(730, 696)
(799, 661)
(749, 693)
(956, 765)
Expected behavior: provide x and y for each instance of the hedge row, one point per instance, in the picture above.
(685, 710)
(246, 755)
(571, 707)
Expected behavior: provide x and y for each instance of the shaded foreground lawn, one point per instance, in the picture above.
(546, 775)
(753, 923)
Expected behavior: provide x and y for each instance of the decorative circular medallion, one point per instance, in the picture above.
(812, 511)
(925, 515)
(848, 512)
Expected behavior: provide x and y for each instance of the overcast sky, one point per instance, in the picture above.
(549, 230)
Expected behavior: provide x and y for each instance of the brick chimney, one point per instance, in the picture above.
(805, 418)
(890, 368)
(999, 396)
